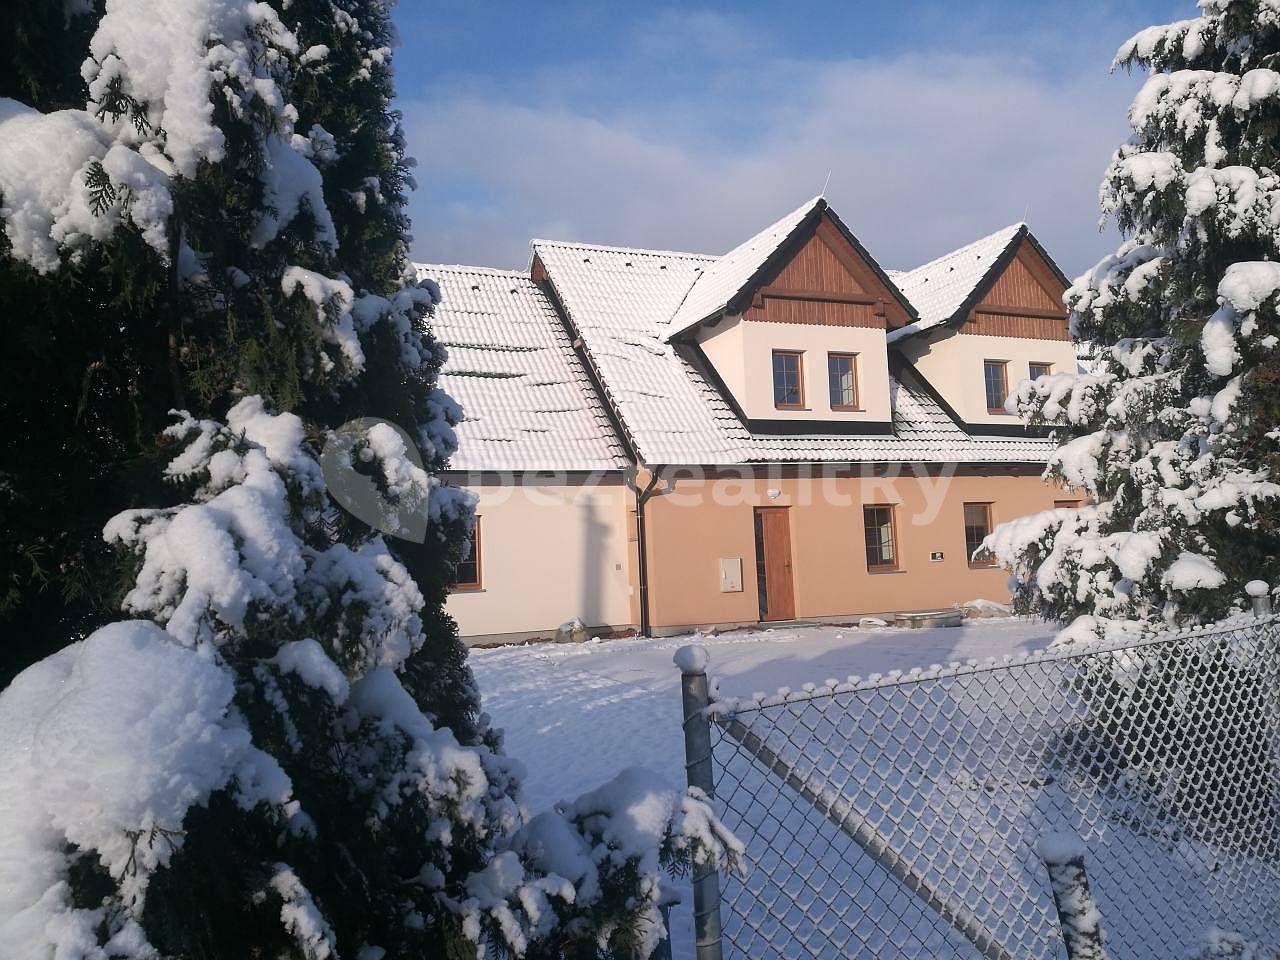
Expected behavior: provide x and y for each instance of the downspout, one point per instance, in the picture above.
(642, 553)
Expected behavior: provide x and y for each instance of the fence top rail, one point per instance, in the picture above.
(721, 710)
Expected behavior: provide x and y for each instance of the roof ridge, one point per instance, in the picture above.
(1010, 229)
(731, 271)
(941, 288)
(536, 241)
(470, 268)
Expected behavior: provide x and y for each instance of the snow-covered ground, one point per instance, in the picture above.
(576, 714)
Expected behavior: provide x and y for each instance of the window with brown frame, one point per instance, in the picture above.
(977, 525)
(468, 572)
(1067, 504)
(842, 378)
(881, 538)
(788, 379)
(1038, 369)
(996, 382)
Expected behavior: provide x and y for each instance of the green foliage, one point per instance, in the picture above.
(41, 48)
(1173, 433)
(394, 810)
(83, 382)
(81, 407)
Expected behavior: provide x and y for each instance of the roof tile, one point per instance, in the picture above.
(527, 402)
(721, 280)
(940, 287)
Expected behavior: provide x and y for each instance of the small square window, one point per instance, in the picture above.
(997, 384)
(788, 379)
(1038, 370)
(842, 376)
(467, 572)
(881, 541)
(977, 526)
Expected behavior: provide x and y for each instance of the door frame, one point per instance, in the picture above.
(769, 599)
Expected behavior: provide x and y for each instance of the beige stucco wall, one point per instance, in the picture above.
(722, 344)
(695, 522)
(549, 552)
(952, 362)
(742, 353)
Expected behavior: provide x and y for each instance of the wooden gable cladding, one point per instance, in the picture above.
(1024, 300)
(816, 265)
(822, 279)
(537, 270)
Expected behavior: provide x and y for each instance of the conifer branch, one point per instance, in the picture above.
(102, 192)
(175, 320)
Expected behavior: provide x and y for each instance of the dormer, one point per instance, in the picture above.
(990, 316)
(792, 324)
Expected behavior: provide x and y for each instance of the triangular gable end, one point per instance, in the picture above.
(820, 263)
(822, 276)
(1027, 281)
(1022, 297)
(728, 283)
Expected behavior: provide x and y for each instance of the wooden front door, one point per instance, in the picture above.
(773, 564)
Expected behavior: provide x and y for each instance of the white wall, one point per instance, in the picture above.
(549, 553)
(742, 353)
(722, 344)
(952, 362)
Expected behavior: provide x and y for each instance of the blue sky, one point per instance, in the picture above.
(691, 127)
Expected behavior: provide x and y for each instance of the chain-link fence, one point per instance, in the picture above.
(911, 816)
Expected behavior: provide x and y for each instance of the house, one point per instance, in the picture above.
(663, 441)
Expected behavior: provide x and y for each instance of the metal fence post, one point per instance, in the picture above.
(663, 950)
(1260, 595)
(696, 696)
(1063, 856)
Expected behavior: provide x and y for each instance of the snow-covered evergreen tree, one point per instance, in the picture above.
(1173, 432)
(79, 397)
(281, 754)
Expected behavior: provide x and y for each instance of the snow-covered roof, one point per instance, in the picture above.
(618, 300)
(526, 399)
(941, 287)
(723, 278)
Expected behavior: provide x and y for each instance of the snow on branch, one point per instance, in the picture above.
(63, 183)
(104, 747)
(588, 857)
(237, 554)
(158, 55)
(156, 74)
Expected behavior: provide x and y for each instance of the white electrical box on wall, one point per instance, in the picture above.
(730, 574)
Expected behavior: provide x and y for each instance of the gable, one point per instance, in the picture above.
(816, 266)
(1023, 300)
(821, 278)
(1027, 282)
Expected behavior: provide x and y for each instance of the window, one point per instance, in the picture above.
(882, 544)
(788, 379)
(977, 524)
(997, 385)
(1066, 504)
(467, 573)
(1040, 369)
(842, 376)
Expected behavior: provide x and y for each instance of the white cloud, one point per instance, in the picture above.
(925, 153)
(694, 32)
